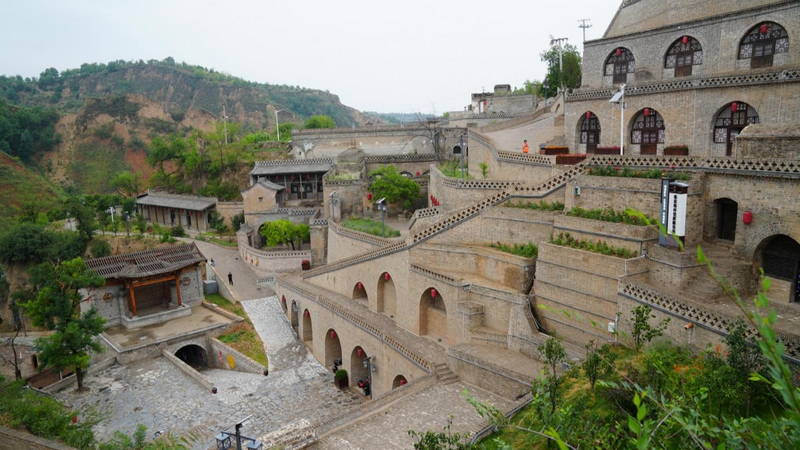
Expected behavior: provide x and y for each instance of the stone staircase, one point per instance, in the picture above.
(702, 287)
(293, 435)
(445, 375)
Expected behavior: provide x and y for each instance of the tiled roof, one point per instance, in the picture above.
(292, 168)
(190, 202)
(147, 263)
(267, 184)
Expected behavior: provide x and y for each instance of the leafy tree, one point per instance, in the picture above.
(642, 331)
(745, 359)
(217, 222)
(320, 122)
(128, 183)
(57, 307)
(553, 353)
(571, 68)
(443, 440)
(284, 232)
(599, 362)
(237, 221)
(140, 223)
(24, 244)
(392, 186)
(484, 169)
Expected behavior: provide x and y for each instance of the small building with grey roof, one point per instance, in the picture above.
(301, 178)
(189, 211)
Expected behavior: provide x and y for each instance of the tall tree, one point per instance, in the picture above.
(284, 232)
(57, 307)
(392, 186)
(128, 183)
(571, 68)
(320, 122)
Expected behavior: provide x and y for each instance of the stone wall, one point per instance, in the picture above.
(266, 263)
(242, 363)
(17, 440)
(189, 371)
(344, 243)
(500, 380)
(390, 140)
(632, 237)
(769, 141)
(229, 209)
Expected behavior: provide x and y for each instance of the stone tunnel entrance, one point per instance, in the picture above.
(193, 355)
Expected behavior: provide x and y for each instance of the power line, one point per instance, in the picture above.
(584, 26)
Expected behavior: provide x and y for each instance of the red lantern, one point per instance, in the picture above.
(403, 381)
(747, 217)
(734, 107)
(333, 334)
(764, 29)
(431, 197)
(308, 176)
(386, 276)
(360, 286)
(75, 419)
(646, 112)
(292, 177)
(307, 314)
(360, 352)
(214, 390)
(619, 52)
(418, 173)
(588, 114)
(369, 196)
(283, 298)
(433, 293)
(685, 40)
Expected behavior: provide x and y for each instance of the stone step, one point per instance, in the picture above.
(445, 375)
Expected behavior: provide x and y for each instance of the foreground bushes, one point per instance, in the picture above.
(529, 250)
(566, 240)
(608, 215)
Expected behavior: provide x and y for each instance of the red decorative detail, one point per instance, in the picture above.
(75, 419)
(618, 52)
(386, 276)
(369, 196)
(360, 352)
(484, 103)
(307, 314)
(433, 293)
(308, 176)
(685, 40)
(734, 107)
(333, 335)
(747, 217)
(418, 173)
(283, 298)
(360, 286)
(588, 114)
(213, 390)
(292, 177)
(647, 112)
(403, 381)
(764, 29)
(431, 197)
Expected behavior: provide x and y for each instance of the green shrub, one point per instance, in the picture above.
(341, 374)
(117, 140)
(529, 250)
(177, 231)
(100, 248)
(608, 215)
(452, 169)
(166, 238)
(369, 226)
(628, 172)
(602, 247)
(540, 206)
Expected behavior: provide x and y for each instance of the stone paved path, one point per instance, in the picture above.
(229, 260)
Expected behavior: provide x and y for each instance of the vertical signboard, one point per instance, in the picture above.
(662, 218)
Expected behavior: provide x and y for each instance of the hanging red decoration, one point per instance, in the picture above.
(747, 217)
(360, 286)
(433, 293)
(734, 107)
(418, 173)
(308, 176)
(764, 29)
(213, 390)
(646, 112)
(618, 52)
(283, 298)
(360, 352)
(369, 196)
(307, 314)
(386, 276)
(333, 335)
(403, 381)
(685, 40)
(588, 114)
(292, 177)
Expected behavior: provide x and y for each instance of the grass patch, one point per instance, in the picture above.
(95, 165)
(536, 206)
(452, 169)
(608, 215)
(601, 247)
(242, 336)
(529, 250)
(369, 226)
(654, 173)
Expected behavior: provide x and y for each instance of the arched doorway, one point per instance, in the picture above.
(457, 150)
(293, 315)
(590, 131)
(730, 121)
(685, 53)
(358, 369)
(308, 335)
(360, 293)
(399, 381)
(780, 259)
(727, 213)
(333, 349)
(193, 355)
(433, 315)
(619, 64)
(387, 300)
(648, 131)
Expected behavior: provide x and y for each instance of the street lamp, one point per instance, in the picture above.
(370, 368)
(619, 97)
(545, 87)
(112, 210)
(277, 129)
(461, 145)
(224, 438)
(381, 206)
(128, 223)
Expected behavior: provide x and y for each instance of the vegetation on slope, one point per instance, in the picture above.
(369, 226)
(241, 337)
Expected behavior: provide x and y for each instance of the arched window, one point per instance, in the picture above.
(619, 64)
(590, 131)
(731, 121)
(762, 42)
(648, 131)
(682, 55)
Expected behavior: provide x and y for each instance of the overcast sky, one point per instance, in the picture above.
(398, 56)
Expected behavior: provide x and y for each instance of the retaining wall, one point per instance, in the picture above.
(20, 440)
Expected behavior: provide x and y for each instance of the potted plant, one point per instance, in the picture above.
(340, 379)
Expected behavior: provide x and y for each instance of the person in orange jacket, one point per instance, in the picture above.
(525, 148)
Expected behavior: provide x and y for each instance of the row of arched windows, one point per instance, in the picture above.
(759, 46)
(648, 128)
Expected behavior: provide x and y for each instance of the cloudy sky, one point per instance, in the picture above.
(407, 56)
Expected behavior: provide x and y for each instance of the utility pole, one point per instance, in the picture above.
(225, 123)
(277, 129)
(560, 58)
(584, 26)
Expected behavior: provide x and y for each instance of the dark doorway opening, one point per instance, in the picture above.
(727, 212)
(193, 355)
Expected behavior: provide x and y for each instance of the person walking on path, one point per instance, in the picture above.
(525, 148)
(230, 278)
